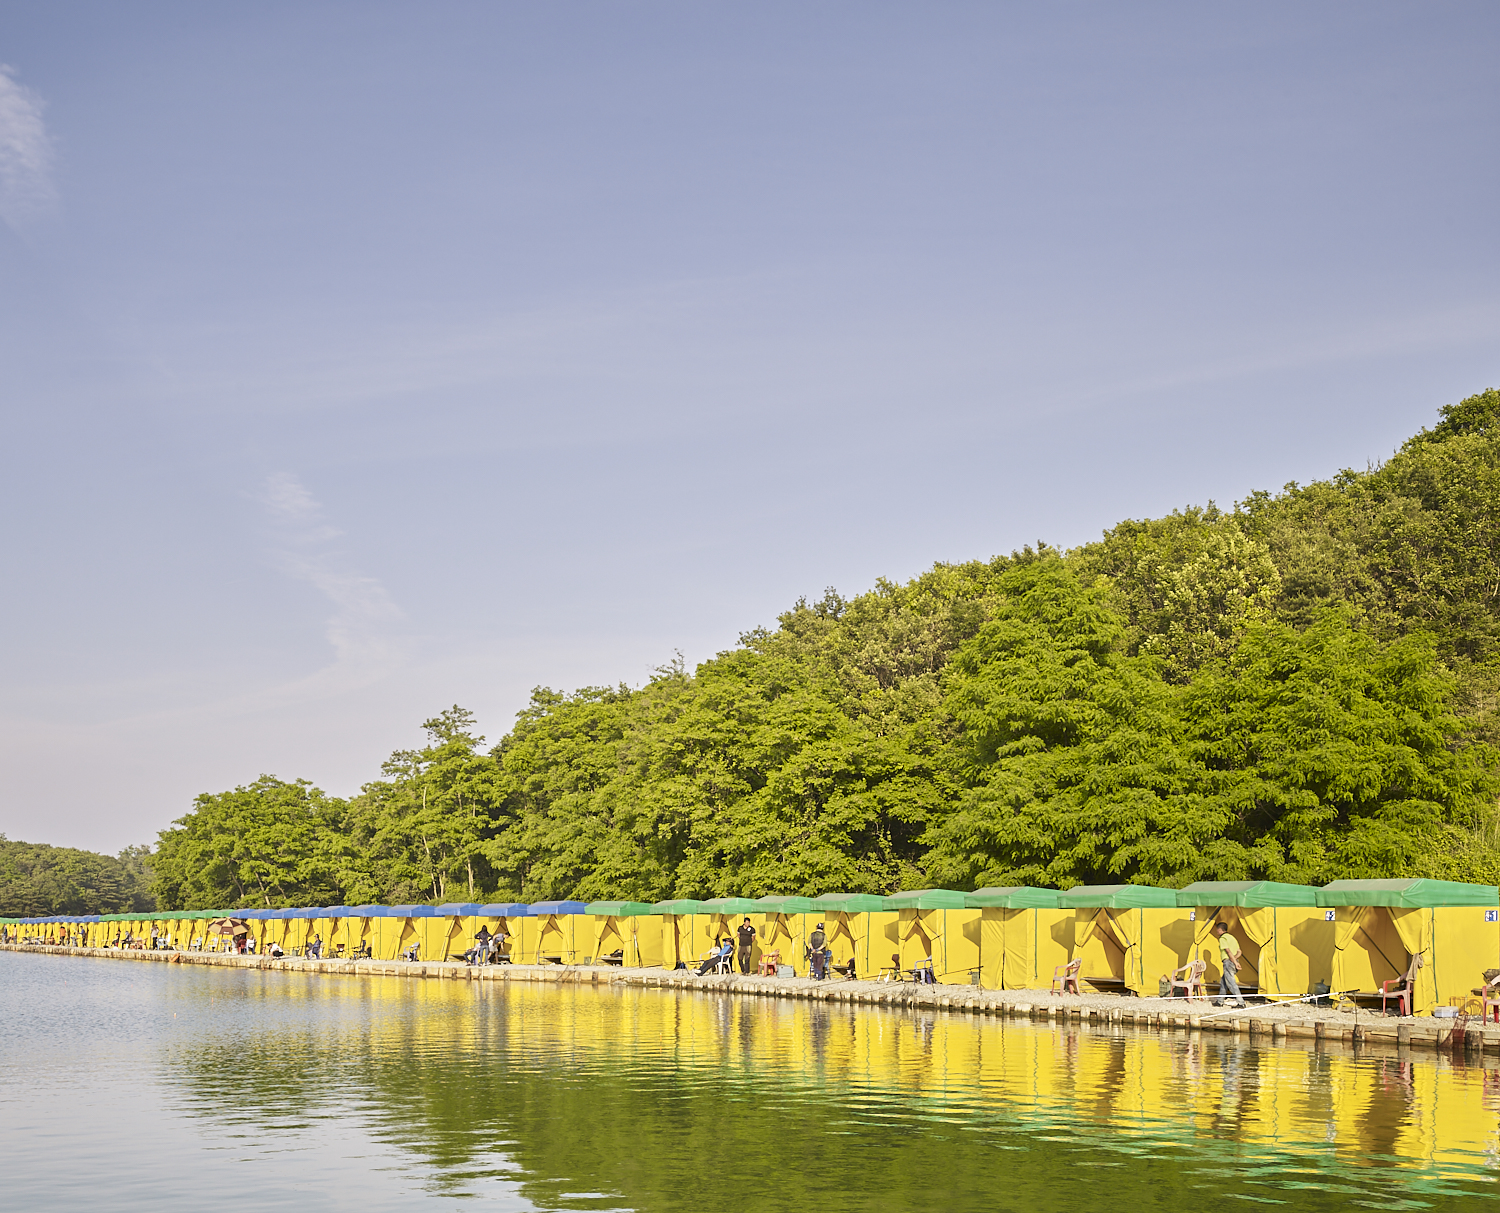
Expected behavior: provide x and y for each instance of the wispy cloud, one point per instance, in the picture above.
(26, 187)
(359, 628)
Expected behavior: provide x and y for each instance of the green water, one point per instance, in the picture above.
(143, 1086)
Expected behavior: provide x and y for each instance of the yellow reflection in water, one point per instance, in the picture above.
(1292, 1108)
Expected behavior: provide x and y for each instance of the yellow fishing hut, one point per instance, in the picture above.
(1024, 936)
(1128, 935)
(937, 925)
(1286, 942)
(1380, 925)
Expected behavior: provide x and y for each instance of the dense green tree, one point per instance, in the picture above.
(1303, 756)
(268, 844)
(38, 880)
(421, 831)
(1188, 584)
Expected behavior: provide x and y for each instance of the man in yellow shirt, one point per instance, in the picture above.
(1229, 964)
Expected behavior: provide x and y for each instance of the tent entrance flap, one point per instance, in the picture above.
(1103, 951)
(1368, 948)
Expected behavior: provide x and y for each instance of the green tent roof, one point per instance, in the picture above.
(1012, 897)
(1116, 897)
(1246, 893)
(926, 899)
(617, 909)
(731, 905)
(683, 905)
(1408, 894)
(847, 903)
(773, 904)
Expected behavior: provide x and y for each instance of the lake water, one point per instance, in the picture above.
(130, 1086)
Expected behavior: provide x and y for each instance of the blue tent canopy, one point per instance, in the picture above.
(557, 907)
(462, 909)
(509, 909)
(370, 912)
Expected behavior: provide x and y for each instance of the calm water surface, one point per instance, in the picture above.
(144, 1086)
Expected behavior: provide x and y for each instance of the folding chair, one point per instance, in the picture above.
(1066, 976)
(1400, 988)
(1191, 980)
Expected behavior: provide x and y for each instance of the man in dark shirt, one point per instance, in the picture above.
(747, 941)
(817, 952)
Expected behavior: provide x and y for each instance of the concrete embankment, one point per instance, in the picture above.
(1293, 1025)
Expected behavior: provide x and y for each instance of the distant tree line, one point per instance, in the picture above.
(1303, 688)
(37, 880)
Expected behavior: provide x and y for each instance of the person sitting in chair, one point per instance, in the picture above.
(847, 970)
(723, 949)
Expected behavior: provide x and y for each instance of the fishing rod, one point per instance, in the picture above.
(1285, 1002)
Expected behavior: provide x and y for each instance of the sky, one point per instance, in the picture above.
(361, 359)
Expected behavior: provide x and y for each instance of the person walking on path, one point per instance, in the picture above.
(747, 942)
(1229, 965)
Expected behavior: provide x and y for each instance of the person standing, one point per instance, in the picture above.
(817, 953)
(747, 943)
(1229, 964)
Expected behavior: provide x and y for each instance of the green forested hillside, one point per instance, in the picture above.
(1303, 688)
(36, 880)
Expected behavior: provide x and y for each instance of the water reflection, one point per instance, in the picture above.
(575, 1098)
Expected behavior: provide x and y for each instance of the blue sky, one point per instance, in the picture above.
(361, 359)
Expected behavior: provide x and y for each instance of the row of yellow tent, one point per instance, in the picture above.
(1348, 935)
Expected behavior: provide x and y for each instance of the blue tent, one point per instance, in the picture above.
(558, 907)
(509, 909)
